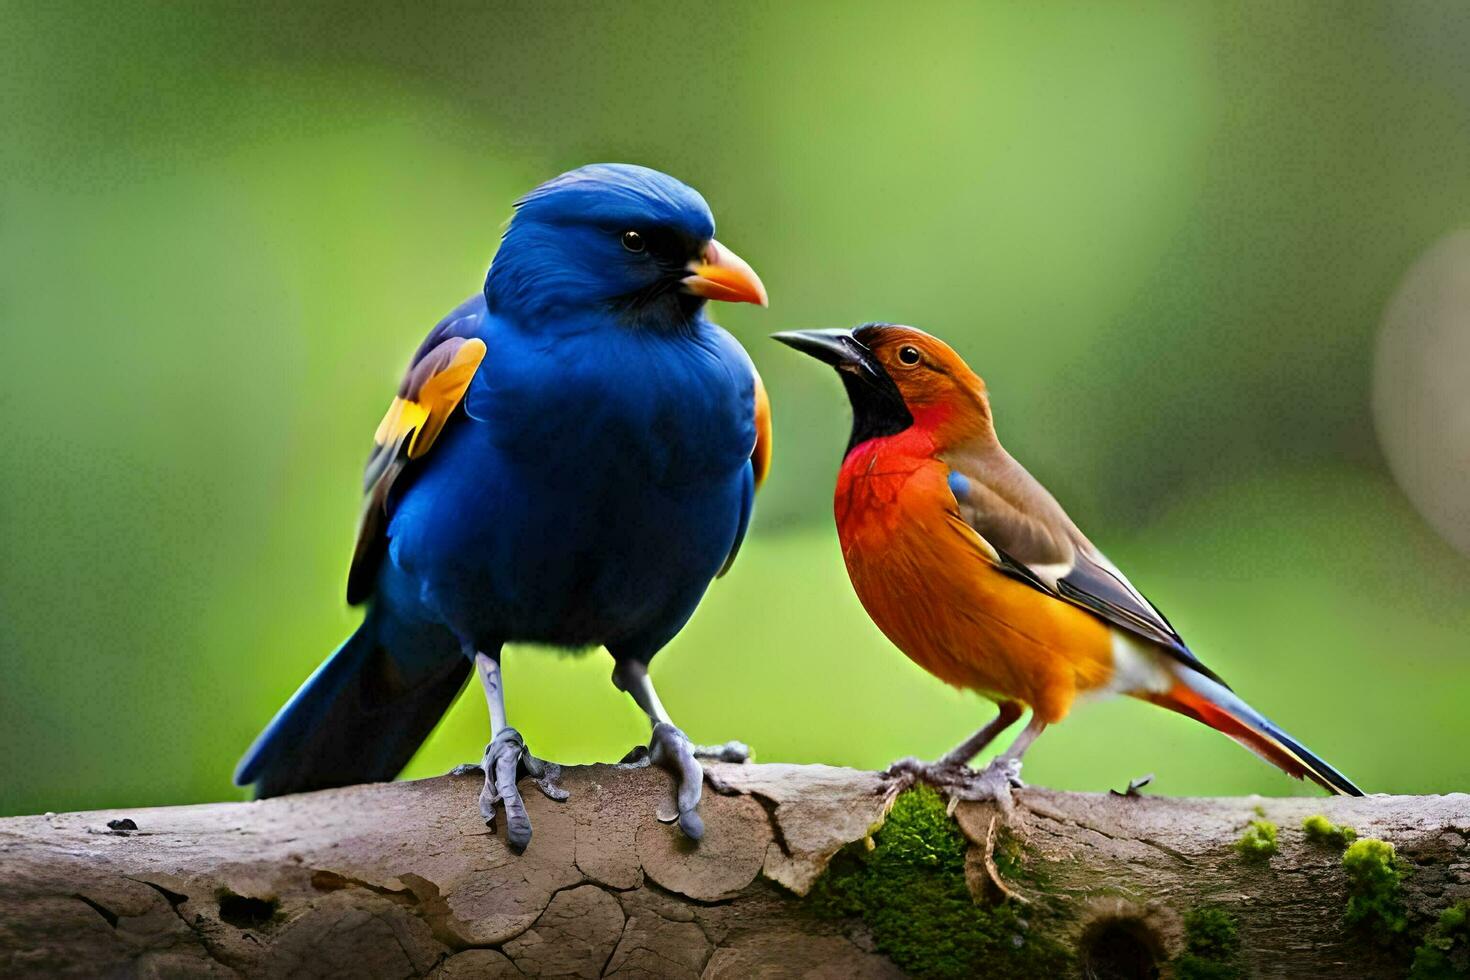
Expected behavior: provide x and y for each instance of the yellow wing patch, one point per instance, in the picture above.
(420, 417)
(760, 456)
(404, 418)
(760, 453)
(426, 400)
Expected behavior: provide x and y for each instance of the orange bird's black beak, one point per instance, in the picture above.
(838, 348)
(878, 407)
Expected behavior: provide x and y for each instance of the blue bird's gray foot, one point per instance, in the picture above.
(670, 749)
(506, 760)
(731, 751)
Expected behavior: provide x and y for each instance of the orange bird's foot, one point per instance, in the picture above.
(1135, 787)
(960, 782)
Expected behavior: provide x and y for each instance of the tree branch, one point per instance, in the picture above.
(404, 880)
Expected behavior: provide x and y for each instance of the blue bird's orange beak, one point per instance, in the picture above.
(721, 274)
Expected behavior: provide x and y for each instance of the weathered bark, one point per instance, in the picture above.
(404, 880)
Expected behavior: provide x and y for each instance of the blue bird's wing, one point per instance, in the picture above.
(427, 400)
(759, 469)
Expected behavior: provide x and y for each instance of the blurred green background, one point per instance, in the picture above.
(1164, 233)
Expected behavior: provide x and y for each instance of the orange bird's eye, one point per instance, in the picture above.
(908, 356)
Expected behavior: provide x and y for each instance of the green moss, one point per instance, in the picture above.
(910, 891)
(1375, 890)
(1190, 967)
(1211, 932)
(1187, 966)
(1445, 952)
(1258, 843)
(1324, 832)
(1010, 860)
(1211, 946)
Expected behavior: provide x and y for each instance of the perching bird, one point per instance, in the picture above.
(571, 458)
(975, 572)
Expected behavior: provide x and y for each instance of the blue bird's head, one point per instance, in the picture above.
(620, 238)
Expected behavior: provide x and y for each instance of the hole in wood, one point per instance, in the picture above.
(1120, 948)
(243, 912)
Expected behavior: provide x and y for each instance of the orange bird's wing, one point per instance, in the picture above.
(1036, 541)
(431, 390)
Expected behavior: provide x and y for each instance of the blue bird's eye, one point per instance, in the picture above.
(633, 241)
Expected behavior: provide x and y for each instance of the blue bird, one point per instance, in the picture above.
(570, 460)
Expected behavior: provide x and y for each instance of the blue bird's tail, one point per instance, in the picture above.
(358, 718)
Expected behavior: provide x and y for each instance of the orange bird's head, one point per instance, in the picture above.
(900, 377)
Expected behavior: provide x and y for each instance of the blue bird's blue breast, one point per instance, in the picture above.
(595, 488)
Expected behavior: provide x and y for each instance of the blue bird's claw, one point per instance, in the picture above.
(731, 751)
(692, 825)
(506, 758)
(637, 756)
(546, 776)
(670, 749)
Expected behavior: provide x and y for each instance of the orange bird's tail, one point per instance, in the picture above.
(1205, 700)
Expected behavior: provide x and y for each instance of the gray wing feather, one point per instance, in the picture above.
(1037, 543)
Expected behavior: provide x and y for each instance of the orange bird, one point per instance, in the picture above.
(975, 572)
